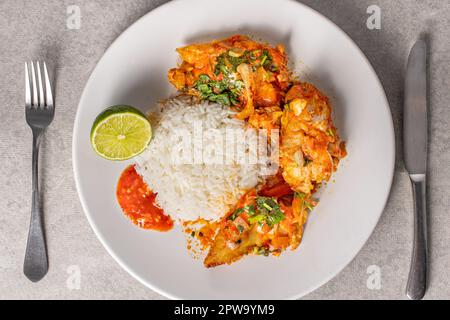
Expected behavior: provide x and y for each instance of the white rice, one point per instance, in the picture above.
(191, 191)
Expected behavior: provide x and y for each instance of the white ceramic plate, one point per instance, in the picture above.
(133, 71)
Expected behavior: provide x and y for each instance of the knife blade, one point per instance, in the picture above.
(415, 137)
(415, 124)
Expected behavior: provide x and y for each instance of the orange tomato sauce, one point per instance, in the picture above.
(138, 202)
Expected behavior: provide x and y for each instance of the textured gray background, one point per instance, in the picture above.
(37, 29)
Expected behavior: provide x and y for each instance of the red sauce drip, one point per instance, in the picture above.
(138, 203)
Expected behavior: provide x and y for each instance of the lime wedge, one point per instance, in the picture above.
(120, 133)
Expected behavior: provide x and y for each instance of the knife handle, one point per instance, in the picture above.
(417, 281)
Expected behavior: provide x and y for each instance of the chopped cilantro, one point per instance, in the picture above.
(222, 99)
(235, 214)
(267, 61)
(263, 60)
(248, 209)
(269, 211)
(204, 78)
(275, 217)
(222, 92)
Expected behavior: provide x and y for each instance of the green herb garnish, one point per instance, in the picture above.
(275, 217)
(223, 92)
(248, 209)
(228, 90)
(262, 251)
(259, 218)
(267, 61)
(269, 212)
(265, 204)
(309, 206)
(330, 132)
(204, 78)
(263, 60)
(300, 195)
(235, 214)
(222, 99)
(220, 63)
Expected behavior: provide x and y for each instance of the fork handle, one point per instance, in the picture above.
(36, 264)
(417, 281)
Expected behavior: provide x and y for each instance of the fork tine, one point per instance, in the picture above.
(48, 88)
(40, 87)
(27, 86)
(35, 97)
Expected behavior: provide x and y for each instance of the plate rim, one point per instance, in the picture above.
(161, 291)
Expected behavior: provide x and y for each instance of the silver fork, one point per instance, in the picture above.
(39, 112)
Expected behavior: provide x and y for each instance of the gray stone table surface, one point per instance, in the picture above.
(32, 29)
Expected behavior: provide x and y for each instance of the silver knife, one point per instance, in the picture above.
(415, 138)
